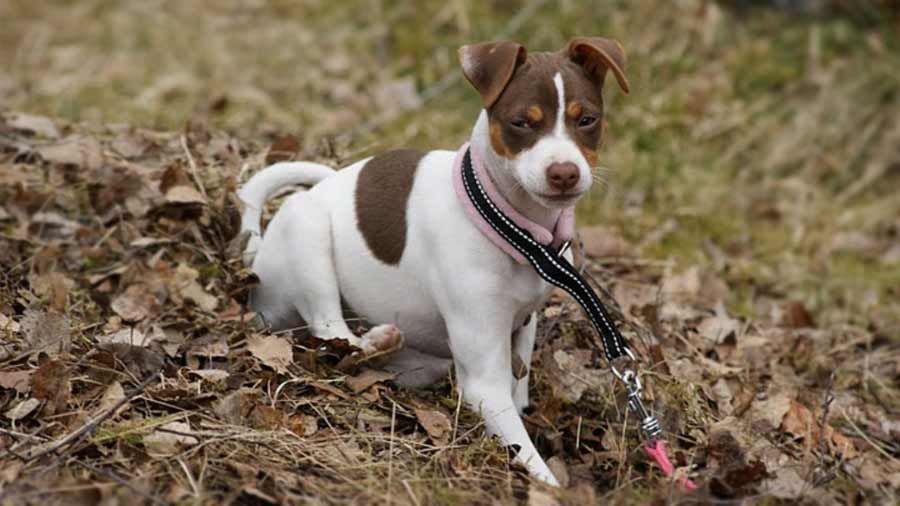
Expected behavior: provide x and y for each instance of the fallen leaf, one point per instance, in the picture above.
(771, 410)
(795, 315)
(634, 296)
(272, 351)
(81, 152)
(184, 286)
(436, 424)
(136, 303)
(164, 444)
(50, 382)
(8, 324)
(682, 287)
(211, 375)
(719, 327)
(603, 242)
(285, 148)
(113, 394)
(136, 359)
(22, 409)
(184, 195)
(31, 124)
(368, 377)
(46, 331)
(128, 335)
(20, 381)
(209, 346)
(234, 407)
(569, 373)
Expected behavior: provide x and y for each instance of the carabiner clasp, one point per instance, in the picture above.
(649, 424)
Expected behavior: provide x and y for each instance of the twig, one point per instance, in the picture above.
(193, 166)
(391, 445)
(92, 425)
(865, 436)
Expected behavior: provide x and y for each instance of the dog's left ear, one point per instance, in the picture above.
(598, 55)
(489, 66)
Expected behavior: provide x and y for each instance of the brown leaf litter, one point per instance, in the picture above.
(129, 368)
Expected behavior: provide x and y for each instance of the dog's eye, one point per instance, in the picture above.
(586, 121)
(520, 123)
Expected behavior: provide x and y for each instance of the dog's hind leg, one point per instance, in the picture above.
(305, 274)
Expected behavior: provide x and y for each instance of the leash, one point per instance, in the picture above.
(553, 267)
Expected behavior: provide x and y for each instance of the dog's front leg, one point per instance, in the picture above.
(523, 347)
(482, 358)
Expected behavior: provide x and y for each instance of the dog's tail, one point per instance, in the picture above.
(263, 185)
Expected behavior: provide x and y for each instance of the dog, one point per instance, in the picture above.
(389, 237)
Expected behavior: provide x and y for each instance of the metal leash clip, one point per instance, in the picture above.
(649, 424)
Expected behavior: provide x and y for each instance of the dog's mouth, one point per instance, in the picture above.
(558, 199)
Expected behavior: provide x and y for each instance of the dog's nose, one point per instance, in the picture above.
(562, 176)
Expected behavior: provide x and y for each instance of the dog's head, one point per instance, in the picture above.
(545, 110)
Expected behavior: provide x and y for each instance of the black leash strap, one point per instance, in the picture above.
(556, 270)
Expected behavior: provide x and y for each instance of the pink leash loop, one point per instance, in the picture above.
(656, 449)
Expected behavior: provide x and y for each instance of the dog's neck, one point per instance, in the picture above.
(500, 172)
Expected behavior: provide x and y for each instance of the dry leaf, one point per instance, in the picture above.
(771, 410)
(368, 377)
(113, 394)
(33, 125)
(22, 409)
(211, 375)
(128, 335)
(136, 303)
(165, 444)
(20, 381)
(436, 424)
(603, 242)
(184, 285)
(272, 351)
(8, 324)
(285, 148)
(50, 382)
(184, 195)
(46, 331)
(81, 152)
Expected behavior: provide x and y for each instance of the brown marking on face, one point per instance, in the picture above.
(591, 155)
(382, 193)
(497, 140)
(573, 110)
(535, 114)
(584, 102)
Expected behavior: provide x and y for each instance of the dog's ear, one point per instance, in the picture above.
(489, 66)
(598, 55)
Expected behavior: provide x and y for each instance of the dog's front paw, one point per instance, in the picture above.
(383, 338)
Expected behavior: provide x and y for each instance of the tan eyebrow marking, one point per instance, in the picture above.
(573, 110)
(535, 114)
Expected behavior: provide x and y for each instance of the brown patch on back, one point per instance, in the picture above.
(382, 194)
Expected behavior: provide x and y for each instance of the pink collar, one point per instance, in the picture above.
(562, 232)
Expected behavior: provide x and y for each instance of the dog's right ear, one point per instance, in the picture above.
(489, 66)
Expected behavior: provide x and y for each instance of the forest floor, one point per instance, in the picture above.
(748, 234)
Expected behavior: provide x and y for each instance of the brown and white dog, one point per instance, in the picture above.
(389, 235)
